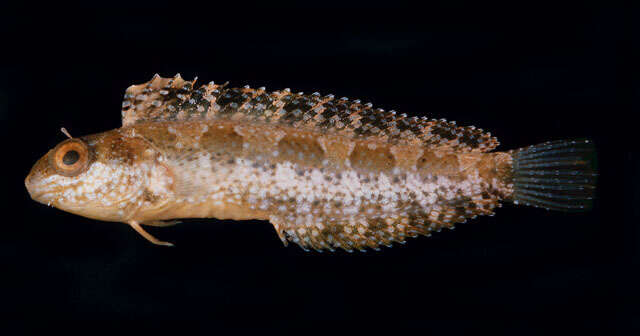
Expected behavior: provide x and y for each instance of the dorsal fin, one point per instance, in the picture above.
(175, 99)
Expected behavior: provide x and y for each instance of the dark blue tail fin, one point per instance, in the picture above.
(556, 175)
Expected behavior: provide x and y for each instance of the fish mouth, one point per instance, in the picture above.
(41, 197)
(29, 184)
(36, 193)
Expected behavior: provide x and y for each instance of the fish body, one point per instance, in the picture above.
(327, 173)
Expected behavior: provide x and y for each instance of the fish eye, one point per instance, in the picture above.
(70, 158)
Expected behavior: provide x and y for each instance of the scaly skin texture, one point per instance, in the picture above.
(327, 173)
(320, 191)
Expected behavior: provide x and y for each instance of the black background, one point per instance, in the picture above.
(528, 73)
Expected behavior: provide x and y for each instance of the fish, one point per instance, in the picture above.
(328, 173)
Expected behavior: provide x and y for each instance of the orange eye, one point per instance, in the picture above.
(70, 158)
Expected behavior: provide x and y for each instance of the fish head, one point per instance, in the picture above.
(102, 176)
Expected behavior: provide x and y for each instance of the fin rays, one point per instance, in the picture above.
(558, 175)
(175, 99)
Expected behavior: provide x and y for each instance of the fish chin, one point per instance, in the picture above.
(93, 211)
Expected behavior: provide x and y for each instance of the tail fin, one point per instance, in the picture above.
(555, 175)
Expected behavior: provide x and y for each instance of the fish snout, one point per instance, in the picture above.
(33, 183)
(30, 183)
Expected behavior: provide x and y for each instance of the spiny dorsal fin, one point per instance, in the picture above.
(175, 99)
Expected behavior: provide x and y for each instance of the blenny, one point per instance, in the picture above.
(328, 173)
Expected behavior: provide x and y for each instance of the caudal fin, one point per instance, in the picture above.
(555, 175)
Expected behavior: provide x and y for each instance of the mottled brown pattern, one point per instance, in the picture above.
(328, 173)
(300, 150)
(226, 143)
(174, 99)
(367, 157)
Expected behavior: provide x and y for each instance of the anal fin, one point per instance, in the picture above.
(351, 234)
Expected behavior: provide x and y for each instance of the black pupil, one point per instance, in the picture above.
(70, 157)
